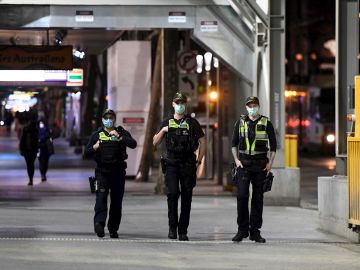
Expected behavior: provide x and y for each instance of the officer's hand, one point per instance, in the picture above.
(165, 129)
(268, 167)
(96, 145)
(114, 133)
(238, 163)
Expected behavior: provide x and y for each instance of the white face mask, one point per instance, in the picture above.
(252, 111)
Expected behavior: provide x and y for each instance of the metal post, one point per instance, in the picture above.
(277, 75)
(207, 131)
(219, 130)
(347, 66)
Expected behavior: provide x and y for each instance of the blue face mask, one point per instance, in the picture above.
(108, 123)
(180, 108)
(253, 111)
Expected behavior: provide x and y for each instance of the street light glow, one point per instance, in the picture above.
(213, 96)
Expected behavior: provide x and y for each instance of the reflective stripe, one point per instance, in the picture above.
(259, 136)
(173, 124)
(104, 137)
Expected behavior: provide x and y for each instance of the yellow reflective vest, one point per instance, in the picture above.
(261, 141)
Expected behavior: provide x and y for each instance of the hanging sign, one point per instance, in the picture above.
(209, 26)
(84, 16)
(177, 17)
(36, 57)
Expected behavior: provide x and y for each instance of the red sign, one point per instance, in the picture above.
(133, 120)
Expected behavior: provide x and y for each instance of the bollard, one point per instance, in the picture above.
(291, 150)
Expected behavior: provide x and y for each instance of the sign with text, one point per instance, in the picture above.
(133, 120)
(84, 16)
(177, 17)
(36, 57)
(209, 26)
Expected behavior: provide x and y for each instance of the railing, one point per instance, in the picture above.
(353, 169)
(353, 164)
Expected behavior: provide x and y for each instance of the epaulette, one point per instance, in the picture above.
(243, 117)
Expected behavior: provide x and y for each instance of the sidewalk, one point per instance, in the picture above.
(55, 232)
(49, 226)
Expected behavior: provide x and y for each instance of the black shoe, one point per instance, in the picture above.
(99, 230)
(257, 237)
(43, 179)
(183, 237)
(172, 233)
(240, 236)
(114, 235)
(30, 183)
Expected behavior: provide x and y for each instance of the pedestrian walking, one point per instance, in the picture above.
(29, 146)
(252, 140)
(183, 136)
(108, 147)
(46, 149)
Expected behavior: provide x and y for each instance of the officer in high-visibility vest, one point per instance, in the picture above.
(252, 140)
(183, 135)
(108, 147)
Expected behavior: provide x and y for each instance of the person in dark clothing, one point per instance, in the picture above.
(46, 149)
(29, 146)
(183, 136)
(108, 147)
(253, 137)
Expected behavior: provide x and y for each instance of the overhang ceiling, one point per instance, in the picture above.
(92, 41)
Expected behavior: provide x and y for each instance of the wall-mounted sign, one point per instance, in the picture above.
(133, 120)
(75, 77)
(209, 26)
(177, 17)
(84, 16)
(36, 57)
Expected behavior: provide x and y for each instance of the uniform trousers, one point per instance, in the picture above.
(180, 179)
(250, 221)
(109, 181)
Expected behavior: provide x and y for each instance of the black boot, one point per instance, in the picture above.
(256, 236)
(183, 237)
(99, 229)
(172, 233)
(240, 236)
(114, 235)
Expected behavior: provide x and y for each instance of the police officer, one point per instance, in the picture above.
(252, 136)
(183, 136)
(108, 146)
